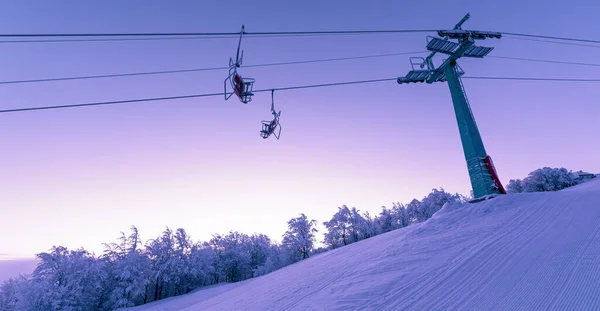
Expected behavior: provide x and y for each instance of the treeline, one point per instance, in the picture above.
(547, 179)
(131, 273)
(349, 226)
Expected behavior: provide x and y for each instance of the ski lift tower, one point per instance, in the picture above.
(482, 173)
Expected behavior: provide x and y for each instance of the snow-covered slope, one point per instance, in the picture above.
(529, 251)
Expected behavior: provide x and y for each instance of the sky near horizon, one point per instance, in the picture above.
(77, 177)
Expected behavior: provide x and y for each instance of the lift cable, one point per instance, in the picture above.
(273, 64)
(534, 79)
(171, 38)
(550, 37)
(548, 41)
(545, 61)
(226, 35)
(279, 89)
(207, 69)
(191, 96)
(212, 34)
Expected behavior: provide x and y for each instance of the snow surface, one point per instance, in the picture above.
(525, 251)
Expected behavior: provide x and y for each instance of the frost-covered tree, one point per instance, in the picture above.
(433, 202)
(300, 236)
(260, 249)
(514, 186)
(549, 179)
(66, 280)
(347, 226)
(338, 228)
(400, 216)
(357, 225)
(129, 271)
(160, 251)
(277, 258)
(12, 293)
(385, 220)
(201, 265)
(181, 253)
(412, 211)
(368, 227)
(232, 252)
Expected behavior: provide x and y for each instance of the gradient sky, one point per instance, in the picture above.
(77, 177)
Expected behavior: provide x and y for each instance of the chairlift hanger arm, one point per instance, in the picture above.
(238, 58)
(273, 101)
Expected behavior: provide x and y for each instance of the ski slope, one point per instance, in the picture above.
(527, 251)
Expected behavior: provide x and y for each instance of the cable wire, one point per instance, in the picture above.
(189, 96)
(176, 38)
(271, 64)
(205, 69)
(549, 41)
(183, 35)
(278, 89)
(534, 79)
(291, 33)
(209, 34)
(112, 75)
(545, 61)
(550, 37)
(115, 39)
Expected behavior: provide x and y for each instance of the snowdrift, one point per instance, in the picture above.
(526, 251)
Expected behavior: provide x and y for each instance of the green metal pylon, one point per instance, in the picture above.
(482, 173)
(482, 181)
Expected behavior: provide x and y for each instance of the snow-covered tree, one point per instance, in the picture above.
(260, 250)
(338, 228)
(549, 179)
(12, 293)
(160, 251)
(514, 186)
(412, 211)
(233, 255)
(66, 280)
(300, 236)
(277, 258)
(347, 226)
(400, 216)
(201, 265)
(385, 220)
(129, 271)
(433, 202)
(357, 225)
(368, 227)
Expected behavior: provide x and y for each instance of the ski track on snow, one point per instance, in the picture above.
(529, 251)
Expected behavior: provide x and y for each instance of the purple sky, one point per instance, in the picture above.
(77, 177)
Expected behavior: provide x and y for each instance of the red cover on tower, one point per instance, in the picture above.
(490, 166)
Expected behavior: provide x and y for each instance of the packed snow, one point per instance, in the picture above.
(523, 251)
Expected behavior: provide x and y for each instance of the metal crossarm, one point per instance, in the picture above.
(417, 75)
(463, 34)
(477, 51)
(441, 46)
